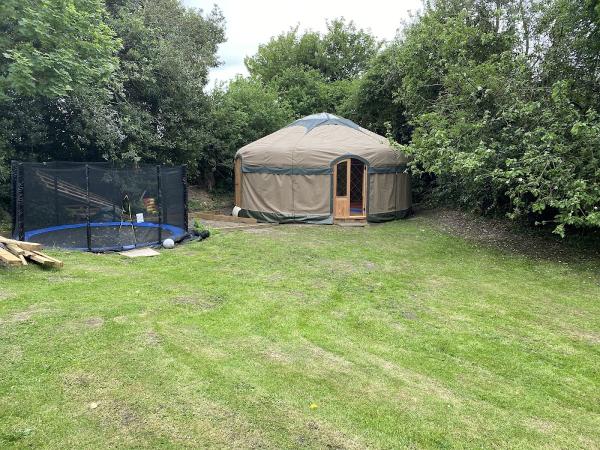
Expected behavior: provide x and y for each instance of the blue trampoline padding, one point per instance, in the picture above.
(175, 231)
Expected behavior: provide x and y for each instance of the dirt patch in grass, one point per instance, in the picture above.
(152, 338)
(79, 380)
(13, 353)
(277, 354)
(122, 413)
(540, 425)
(340, 266)
(187, 422)
(94, 322)
(325, 359)
(402, 309)
(320, 435)
(300, 295)
(309, 355)
(83, 325)
(587, 336)
(200, 301)
(24, 316)
(416, 383)
(409, 315)
(6, 295)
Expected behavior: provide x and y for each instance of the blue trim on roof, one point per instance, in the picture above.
(316, 120)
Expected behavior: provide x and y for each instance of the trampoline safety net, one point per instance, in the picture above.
(98, 206)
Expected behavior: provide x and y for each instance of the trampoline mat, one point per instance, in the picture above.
(109, 236)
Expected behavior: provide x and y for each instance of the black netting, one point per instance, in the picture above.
(98, 206)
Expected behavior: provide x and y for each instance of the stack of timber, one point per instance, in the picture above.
(19, 253)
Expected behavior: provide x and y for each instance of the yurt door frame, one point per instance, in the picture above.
(349, 189)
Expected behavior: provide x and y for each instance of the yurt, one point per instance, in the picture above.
(321, 169)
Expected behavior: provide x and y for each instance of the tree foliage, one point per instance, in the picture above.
(503, 98)
(50, 49)
(57, 65)
(315, 72)
(243, 111)
(167, 52)
(94, 80)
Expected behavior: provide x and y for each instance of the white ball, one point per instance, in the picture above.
(168, 243)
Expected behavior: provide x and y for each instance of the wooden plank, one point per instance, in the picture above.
(342, 207)
(42, 259)
(15, 249)
(224, 218)
(32, 246)
(39, 259)
(8, 258)
(54, 260)
(139, 252)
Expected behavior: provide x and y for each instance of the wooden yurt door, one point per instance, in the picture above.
(349, 189)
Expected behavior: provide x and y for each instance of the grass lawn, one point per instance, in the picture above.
(303, 336)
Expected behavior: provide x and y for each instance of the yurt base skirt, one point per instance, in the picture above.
(272, 217)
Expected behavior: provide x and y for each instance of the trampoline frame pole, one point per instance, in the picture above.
(159, 201)
(87, 195)
(20, 202)
(185, 197)
(17, 187)
(13, 196)
(56, 216)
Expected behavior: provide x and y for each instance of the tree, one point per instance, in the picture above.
(55, 59)
(311, 70)
(571, 32)
(503, 109)
(243, 112)
(51, 49)
(121, 80)
(167, 52)
(376, 102)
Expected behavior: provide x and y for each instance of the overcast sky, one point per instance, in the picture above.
(253, 22)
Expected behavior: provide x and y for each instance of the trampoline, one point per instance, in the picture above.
(98, 207)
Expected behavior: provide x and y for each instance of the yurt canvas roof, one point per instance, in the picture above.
(315, 141)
